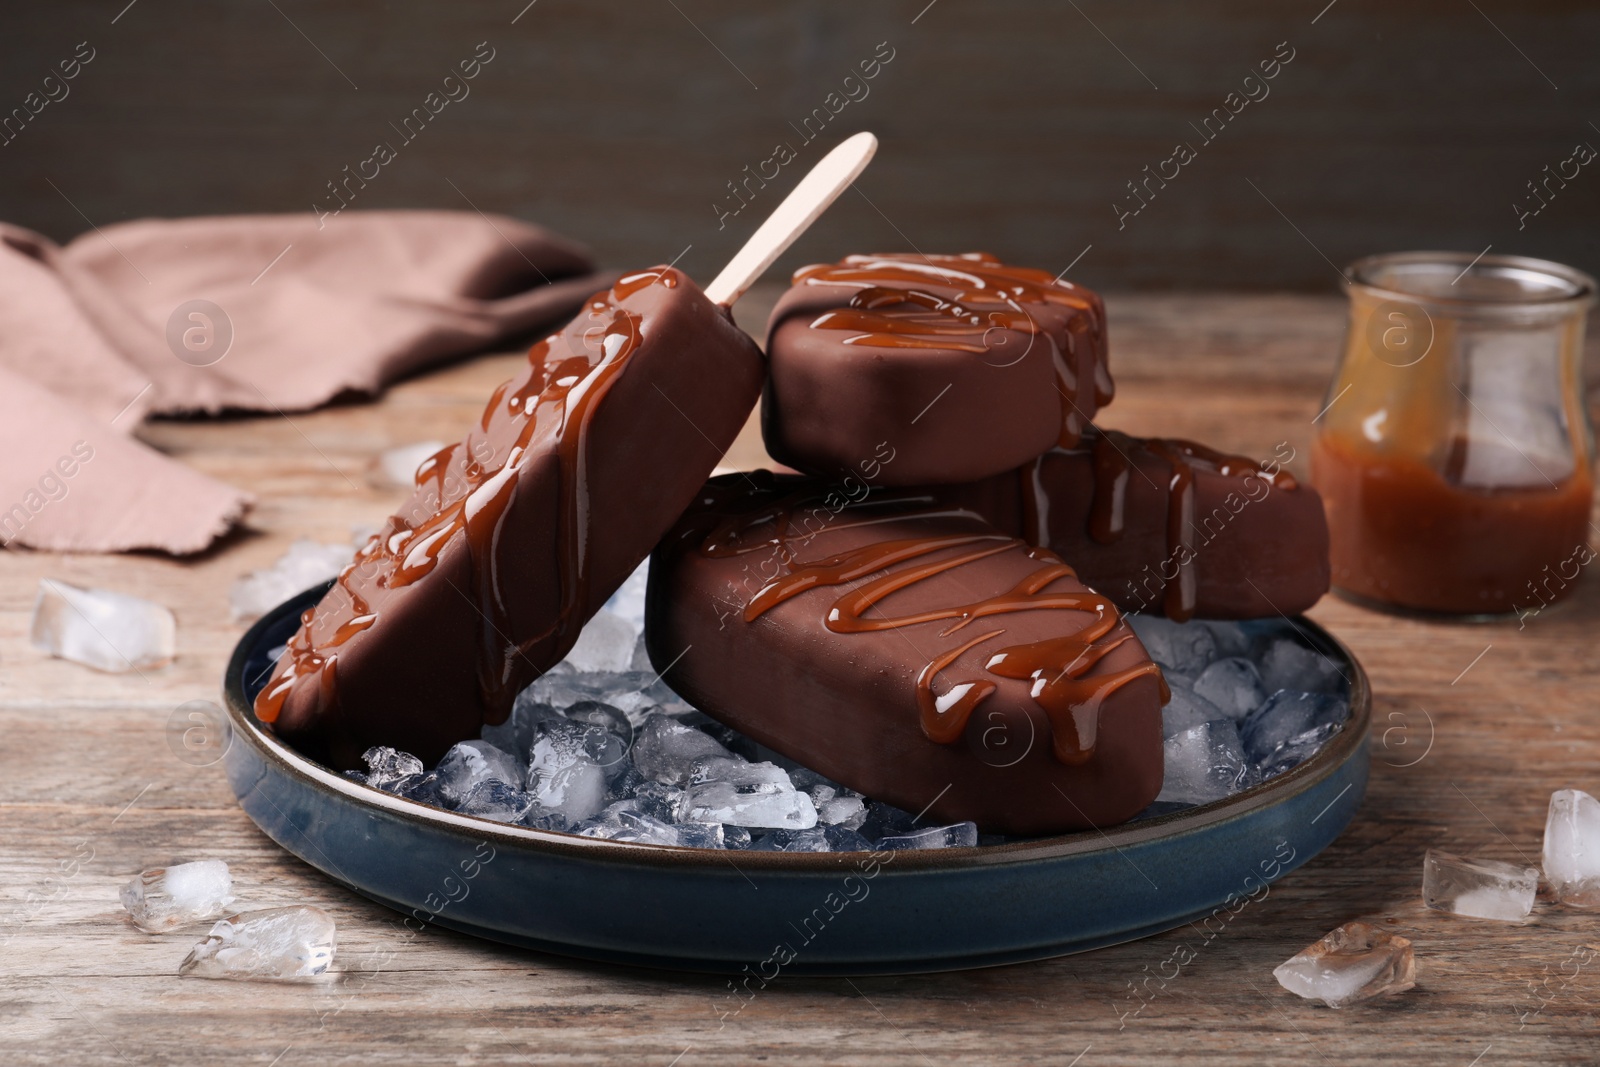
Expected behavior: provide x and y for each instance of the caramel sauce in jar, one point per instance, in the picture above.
(1454, 455)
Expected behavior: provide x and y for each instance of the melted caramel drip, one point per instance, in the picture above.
(1111, 457)
(459, 494)
(891, 311)
(1058, 666)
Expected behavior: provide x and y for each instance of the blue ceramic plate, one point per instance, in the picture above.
(766, 913)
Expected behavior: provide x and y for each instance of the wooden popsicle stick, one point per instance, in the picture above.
(830, 177)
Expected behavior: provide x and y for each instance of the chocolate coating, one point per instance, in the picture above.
(1166, 526)
(517, 534)
(963, 366)
(909, 651)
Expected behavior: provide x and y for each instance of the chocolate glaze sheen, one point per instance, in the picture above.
(1166, 525)
(516, 534)
(910, 651)
(965, 366)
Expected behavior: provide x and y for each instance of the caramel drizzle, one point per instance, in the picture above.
(1058, 667)
(919, 319)
(558, 396)
(911, 318)
(1111, 457)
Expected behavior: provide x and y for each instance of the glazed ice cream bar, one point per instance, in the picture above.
(514, 536)
(961, 366)
(910, 651)
(1166, 526)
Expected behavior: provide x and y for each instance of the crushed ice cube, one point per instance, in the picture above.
(1572, 847)
(665, 750)
(1205, 763)
(1233, 685)
(517, 732)
(305, 564)
(605, 644)
(164, 898)
(626, 825)
(98, 628)
(1354, 963)
(843, 838)
(396, 468)
(664, 802)
(1286, 715)
(1287, 664)
(1186, 709)
(746, 794)
(471, 762)
(813, 840)
(847, 811)
(1481, 889)
(603, 715)
(636, 694)
(628, 601)
(387, 766)
(885, 819)
(1182, 647)
(1295, 751)
(564, 776)
(494, 799)
(1230, 638)
(280, 943)
(957, 835)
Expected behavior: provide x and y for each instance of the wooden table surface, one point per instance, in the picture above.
(1475, 725)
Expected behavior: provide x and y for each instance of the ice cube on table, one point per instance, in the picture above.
(396, 468)
(956, 835)
(746, 794)
(605, 644)
(277, 944)
(1286, 715)
(1186, 709)
(164, 898)
(1233, 685)
(1205, 763)
(494, 799)
(665, 750)
(98, 628)
(1572, 848)
(387, 766)
(1354, 963)
(470, 762)
(1287, 664)
(1185, 647)
(1480, 889)
(305, 564)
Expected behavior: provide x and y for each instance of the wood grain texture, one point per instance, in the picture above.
(86, 774)
(1011, 128)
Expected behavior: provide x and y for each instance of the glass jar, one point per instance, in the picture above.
(1454, 454)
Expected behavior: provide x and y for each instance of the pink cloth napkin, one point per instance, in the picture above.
(266, 313)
